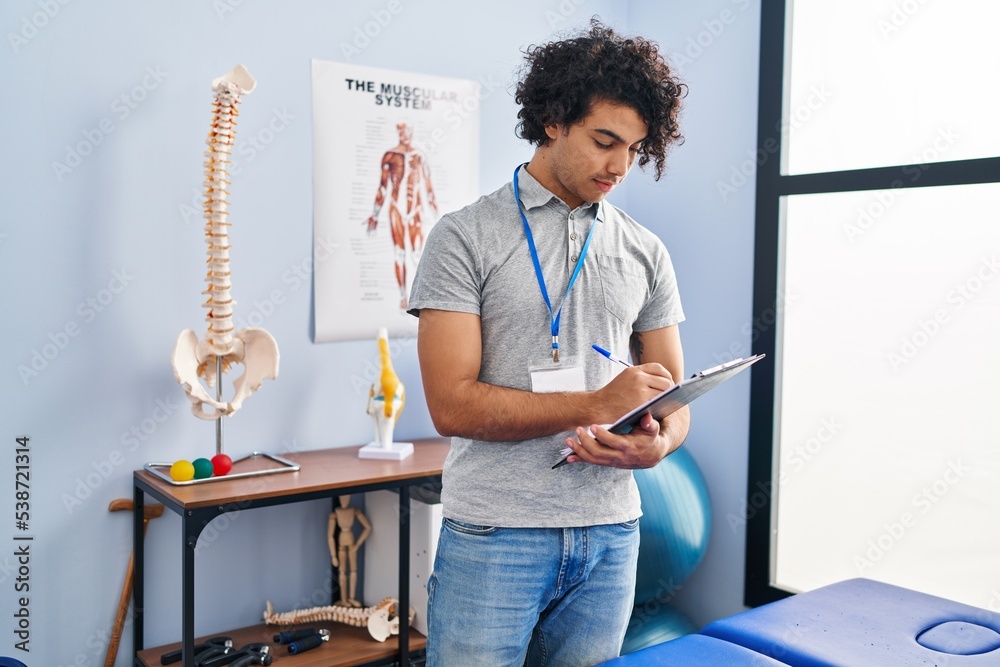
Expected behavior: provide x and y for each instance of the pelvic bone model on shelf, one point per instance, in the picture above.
(253, 347)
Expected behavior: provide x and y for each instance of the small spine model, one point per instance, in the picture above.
(376, 618)
(356, 616)
(255, 348)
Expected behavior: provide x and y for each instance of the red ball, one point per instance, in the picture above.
(221, 464)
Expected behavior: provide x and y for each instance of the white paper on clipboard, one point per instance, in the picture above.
(683, 393)
(680, 394)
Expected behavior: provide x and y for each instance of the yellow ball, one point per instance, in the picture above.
(182, 471)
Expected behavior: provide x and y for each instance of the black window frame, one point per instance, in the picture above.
(772, 185)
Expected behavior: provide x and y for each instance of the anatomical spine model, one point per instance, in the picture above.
(381, 619)
(255, 348)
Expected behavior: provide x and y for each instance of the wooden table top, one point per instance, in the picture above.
(321, 470)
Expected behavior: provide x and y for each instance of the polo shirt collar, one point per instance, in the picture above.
(534, 194)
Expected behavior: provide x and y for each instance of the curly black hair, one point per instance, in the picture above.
(560, 80)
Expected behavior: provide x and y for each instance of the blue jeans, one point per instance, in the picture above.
(536, 596)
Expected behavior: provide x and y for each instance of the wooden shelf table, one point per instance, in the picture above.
(324, 473)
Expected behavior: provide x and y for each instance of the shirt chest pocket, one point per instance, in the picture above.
(625, 286)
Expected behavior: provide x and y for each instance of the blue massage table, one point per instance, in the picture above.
(853, 623)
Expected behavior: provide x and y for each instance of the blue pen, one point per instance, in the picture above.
(611, 356)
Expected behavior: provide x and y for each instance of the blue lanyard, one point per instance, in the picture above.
(554, 317)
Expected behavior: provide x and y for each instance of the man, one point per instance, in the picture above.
(535, 561)
(406, 179)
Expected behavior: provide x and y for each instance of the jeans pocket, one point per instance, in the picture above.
(468, 528)
(629, 525)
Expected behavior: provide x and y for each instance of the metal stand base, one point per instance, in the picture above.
(162, 470)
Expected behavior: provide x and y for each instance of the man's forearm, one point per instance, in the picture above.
(486, 412)
(675, 427)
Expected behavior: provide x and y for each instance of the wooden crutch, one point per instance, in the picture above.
(149, 512)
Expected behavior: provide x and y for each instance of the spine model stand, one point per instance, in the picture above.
(255, 348)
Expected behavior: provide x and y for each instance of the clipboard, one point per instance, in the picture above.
(679, 395)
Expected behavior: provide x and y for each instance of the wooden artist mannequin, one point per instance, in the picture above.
(344, 550)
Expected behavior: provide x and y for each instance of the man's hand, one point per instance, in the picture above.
(644, 447)
(633, 386)
(659, 360)
(372, 223)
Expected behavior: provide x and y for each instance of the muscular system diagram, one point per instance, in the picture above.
(405, 185)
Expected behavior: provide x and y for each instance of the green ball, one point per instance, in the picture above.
(202, 468)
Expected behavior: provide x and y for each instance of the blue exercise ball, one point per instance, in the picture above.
(674, 528)
(654, 623)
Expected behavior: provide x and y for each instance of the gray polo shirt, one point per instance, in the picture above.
(477, 261)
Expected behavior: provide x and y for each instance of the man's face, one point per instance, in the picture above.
(589, 159)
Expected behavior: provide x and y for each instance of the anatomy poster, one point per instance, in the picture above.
(392, 152)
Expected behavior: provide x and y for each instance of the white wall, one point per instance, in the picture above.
(121, 227)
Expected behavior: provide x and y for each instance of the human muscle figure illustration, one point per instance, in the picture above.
(404, 167)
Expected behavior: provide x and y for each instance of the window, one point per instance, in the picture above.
(874, 449)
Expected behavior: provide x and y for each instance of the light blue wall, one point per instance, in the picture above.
(101, 267)
(709, 232)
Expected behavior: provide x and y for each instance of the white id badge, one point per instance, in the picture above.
(548, 377)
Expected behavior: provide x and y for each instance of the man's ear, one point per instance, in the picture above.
(553, 131)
